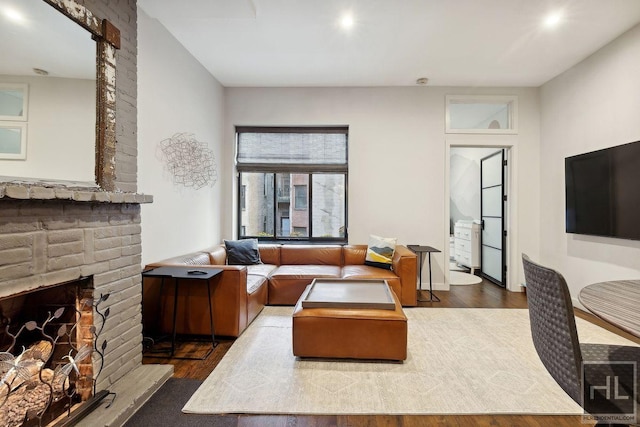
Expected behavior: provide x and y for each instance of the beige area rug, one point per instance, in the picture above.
(460, 361)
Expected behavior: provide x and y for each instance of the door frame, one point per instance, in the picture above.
(509, 142)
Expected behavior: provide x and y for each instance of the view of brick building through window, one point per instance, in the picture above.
(306, 199)
(286, 195)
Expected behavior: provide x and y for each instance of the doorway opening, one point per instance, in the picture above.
(478, 214)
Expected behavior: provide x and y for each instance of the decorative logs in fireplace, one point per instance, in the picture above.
(46, 365)
(27, 386)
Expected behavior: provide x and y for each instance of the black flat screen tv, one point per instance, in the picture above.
(603, 192)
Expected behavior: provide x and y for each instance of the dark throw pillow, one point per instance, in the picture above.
(242, 252)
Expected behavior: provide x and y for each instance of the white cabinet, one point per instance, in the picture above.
(467, 244)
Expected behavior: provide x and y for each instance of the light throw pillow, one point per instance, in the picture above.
(380, 252)
(242, 252)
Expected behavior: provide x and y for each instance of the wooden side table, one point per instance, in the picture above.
(420, 251)
(180, 273)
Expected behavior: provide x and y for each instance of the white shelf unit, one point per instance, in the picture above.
(467, 244)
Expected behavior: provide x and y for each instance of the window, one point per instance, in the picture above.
(299, 231)
(292, 183)
(285, 223)
(300, 192)
(482, 114)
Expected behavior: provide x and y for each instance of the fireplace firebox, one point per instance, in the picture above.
(49, 342)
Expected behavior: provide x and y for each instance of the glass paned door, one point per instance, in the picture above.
(492, 215)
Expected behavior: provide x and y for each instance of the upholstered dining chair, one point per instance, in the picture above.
(553, 329)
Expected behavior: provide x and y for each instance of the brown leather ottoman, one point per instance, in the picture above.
(354, 333)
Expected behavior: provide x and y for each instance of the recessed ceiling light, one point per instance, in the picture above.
(346, 22)
(13, 14)
(553, 19)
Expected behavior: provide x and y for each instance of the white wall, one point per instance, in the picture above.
(60, 130)
(399, 131)
(591, 106)
(175, 94)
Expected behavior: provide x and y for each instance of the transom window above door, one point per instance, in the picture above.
(481, 114)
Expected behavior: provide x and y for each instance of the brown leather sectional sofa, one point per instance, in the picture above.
(240, 292)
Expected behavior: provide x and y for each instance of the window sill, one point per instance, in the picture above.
(301, 242)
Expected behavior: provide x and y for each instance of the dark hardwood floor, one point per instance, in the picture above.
(484, 295)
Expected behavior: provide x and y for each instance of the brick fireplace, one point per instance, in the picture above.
(44, 243)
(47, 242)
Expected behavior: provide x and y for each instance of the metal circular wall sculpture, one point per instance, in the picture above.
(190, 162)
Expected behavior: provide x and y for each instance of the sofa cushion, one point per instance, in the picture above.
(354, 254)
(263, 270)
(366, 272)
(194, 258)
(380, 251)
(296, 272)
(254, 282)
(218, 255)
(242, 252)
(311, 255)
(256, 298)
(287, 282)
(270, 253)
